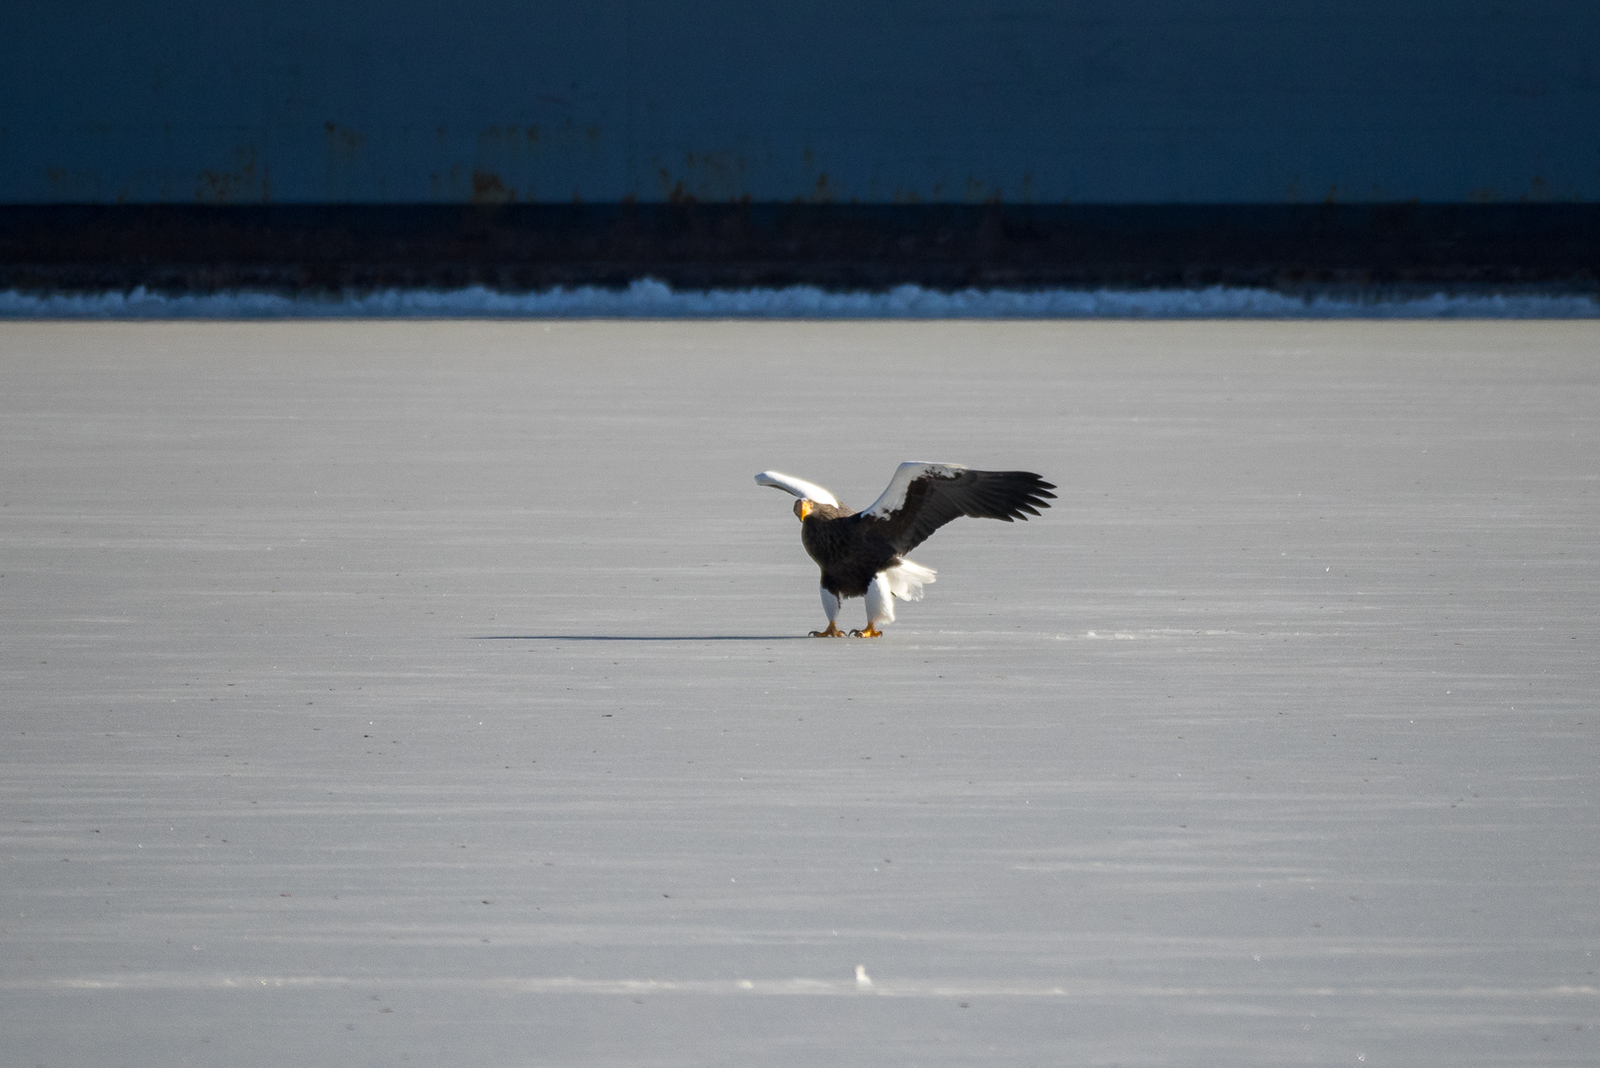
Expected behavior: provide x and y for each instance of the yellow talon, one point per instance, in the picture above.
(870, 632)
(832, 632)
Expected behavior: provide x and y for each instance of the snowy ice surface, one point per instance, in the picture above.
(367, 701)
(653, 299)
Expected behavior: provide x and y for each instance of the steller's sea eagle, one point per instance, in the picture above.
(862, 553)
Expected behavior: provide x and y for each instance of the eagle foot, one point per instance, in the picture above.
(870, 632)
(832, 632)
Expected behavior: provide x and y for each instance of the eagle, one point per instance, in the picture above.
(862, 554)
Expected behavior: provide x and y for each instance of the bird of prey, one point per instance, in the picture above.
(862, 554)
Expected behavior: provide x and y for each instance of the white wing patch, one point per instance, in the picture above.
(808, 491)
(894, 498)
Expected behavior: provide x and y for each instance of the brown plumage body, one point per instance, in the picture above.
(847, 548)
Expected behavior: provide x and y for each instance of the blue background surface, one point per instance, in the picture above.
(490, 101)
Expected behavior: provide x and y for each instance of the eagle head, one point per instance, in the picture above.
(803, 508)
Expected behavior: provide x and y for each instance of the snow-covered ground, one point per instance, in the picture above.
(433, 692)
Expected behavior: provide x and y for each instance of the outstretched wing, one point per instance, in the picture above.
(798, 486)
(921, 498)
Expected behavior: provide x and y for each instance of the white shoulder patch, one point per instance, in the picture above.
(894, 498)
(808, 491)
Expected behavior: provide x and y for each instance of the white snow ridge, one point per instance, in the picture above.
(652, 299)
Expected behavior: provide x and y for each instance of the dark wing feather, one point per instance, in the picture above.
(932, 500)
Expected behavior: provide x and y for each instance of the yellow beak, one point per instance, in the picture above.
(806, 508)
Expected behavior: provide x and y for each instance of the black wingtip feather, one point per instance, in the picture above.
(934, 500)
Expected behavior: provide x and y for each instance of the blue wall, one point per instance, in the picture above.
(1139, 101)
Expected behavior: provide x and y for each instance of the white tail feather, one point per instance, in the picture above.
(907, 579)
(903, 581)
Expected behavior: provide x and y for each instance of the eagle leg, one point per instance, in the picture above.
(880, 606)
(830, 605)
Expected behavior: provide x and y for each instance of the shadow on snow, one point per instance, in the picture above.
(636, 637)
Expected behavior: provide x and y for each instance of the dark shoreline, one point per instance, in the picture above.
(528, 247)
